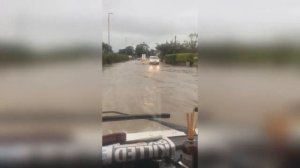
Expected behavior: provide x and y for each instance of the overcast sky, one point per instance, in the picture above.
(68, 22)
(155, 21)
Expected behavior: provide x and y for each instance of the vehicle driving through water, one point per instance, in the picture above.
(154, 60)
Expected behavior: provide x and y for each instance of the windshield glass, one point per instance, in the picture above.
(159, 77)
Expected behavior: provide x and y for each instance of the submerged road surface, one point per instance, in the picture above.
(72, 90)
(229, 95)
(136, 88)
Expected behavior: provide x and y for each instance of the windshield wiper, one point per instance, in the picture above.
(133, 117)
(151, 117)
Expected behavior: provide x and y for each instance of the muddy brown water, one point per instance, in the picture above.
(237, 94)
(225, 95)
(137, 88)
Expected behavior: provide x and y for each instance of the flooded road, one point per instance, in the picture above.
(136, 88)
(236, 94)
(230, 95)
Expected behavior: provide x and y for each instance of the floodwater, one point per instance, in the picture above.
(239, 95)
(136, 88)
(236, 94)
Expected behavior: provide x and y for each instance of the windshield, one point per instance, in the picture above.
(161, 76)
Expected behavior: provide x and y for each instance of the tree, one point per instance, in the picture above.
(152, 52)
(106, 49)
(129, 50)
(173, 48)
(142, 49)
(167, 48)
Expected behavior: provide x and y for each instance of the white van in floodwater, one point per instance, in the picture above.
(154, 60)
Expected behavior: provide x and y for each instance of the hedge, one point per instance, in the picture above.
(114, 58)
(170, 58)
(185, 57)
(180, 58)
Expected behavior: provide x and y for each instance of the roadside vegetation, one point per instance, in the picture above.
(109, 57)
(113, 58)
(12, 53)
(173, 52)
(276, 54)
(125, 54)
(181, 58)
(177, 53)
(17, 54)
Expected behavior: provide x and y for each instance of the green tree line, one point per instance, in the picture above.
(109, 57)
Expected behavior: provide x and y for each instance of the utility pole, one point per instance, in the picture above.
(175, 44)
(108, 28)
(175, 40)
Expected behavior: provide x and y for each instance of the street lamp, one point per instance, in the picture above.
(108, 25)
